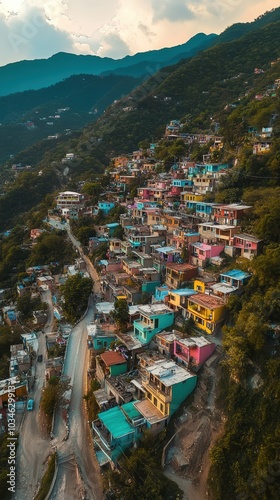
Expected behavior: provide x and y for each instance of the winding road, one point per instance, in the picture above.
(78, 475)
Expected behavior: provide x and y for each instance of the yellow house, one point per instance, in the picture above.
(166, 385)
(178, 299)
(203, 284)
(207, 311)
(192, 196)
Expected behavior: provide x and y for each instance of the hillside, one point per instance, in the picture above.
(198, 89)
(28, 117)
(45, 72)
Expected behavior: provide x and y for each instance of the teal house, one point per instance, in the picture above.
(161, 292)
(114, 363)
(116, 430)
(105, 206)
(111, 228)
(235, 277)
(153, 319)
(99, 339)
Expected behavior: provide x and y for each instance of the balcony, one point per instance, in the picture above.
(142, 326)
(152, 387)
(102, 436)
(182, 355)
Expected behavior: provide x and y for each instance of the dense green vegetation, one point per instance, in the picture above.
(140, 474)
(76, 292)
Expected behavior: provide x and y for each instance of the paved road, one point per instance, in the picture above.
(34, 447)
(79, 445)
(78, 471)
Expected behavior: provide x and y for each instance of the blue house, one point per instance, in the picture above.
(105, 206)
(161, 292)
(212, 168)
(201, 208)
(116, 430)
(182, 183)
(235, 278)
(153, 319)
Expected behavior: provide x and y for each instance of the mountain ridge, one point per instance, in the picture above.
(40, 73)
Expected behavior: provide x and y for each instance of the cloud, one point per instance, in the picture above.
(146, 30)
(113, 46)
(39, 28)
(172, 10)
(30, 36)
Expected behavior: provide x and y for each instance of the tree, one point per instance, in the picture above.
(76, 292)
(84, 233)
(141, 475)
(121, 314)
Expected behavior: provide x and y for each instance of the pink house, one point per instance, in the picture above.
(201, 253)
(144, 193)
(192, 352)
(246, 245)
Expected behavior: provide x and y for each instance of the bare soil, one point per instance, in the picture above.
(187, 461)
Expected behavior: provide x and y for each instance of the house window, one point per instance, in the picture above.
(155, 401)
(156, 323)
(149, 396)
(161, 407)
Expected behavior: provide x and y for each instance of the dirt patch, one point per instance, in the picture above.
(187, 460)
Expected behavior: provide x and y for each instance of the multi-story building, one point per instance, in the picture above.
(177, 274)
(153, 319)
(166, 385)
(207, 311)
(192, 352)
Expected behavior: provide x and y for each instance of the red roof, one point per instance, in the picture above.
(111, 358)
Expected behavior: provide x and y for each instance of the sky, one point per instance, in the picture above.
(35, 29)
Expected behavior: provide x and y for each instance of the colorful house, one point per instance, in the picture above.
(178, 299)
(201, 253)
(235, 278)
(187, 196)
(207, 311)
(200, 208)
(110, 364)
(176, 274)
(192, 352)
(160, 293)
(166, 385)
(246, 245)
(105, 206)
(153, 319)
(231, 214)
(99, 339)
(117, 430)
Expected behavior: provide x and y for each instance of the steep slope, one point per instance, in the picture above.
(198, 88)
(30, 116)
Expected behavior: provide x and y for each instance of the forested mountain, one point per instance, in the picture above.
(27, 117)
(44, 72)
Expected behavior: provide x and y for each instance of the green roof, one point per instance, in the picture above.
(131, 411)
(116, 423)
